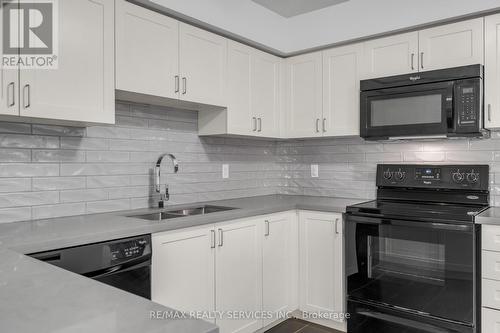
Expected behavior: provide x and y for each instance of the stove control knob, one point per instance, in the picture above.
(400, 175)
(387, 174)
(458, 177)
(472, 177)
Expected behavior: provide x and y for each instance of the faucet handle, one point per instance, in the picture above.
(167, 194)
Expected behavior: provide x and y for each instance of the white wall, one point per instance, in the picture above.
(348, 20)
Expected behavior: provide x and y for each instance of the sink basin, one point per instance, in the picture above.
(172, 214)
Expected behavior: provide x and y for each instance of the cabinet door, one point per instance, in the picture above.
(279, 269)
(492, 72)
(265, 92)
(452, 45)
(240, 120)
(203, 64)
(147, 51)
(490, 321)
(341, 67)
(391, 55)
(239, 274)
(183, 269)
(321, 272)
(304, 95)
(9, 82)
(82, 88)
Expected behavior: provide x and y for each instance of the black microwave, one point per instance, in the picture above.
(433, 104)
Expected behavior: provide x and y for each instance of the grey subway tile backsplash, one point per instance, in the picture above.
(51, 171)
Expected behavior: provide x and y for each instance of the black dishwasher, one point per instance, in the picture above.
(122, 263)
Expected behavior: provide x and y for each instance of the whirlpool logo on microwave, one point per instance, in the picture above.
(414, 78)
(30, 34)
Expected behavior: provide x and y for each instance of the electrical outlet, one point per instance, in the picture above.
(314, 171)
(225, 171)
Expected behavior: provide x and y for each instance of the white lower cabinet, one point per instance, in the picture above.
(490, 322)
(238, 268)
(238, 274)
(321, 258)
(183, 269)
(250, 267)
(280, 265)
(490, 286)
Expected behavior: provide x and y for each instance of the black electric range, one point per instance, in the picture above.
(412, 255)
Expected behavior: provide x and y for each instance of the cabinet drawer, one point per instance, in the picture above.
(491, 321)
(490, 238)
(491, 265)
(491, 293)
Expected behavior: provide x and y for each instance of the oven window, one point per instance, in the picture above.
(424, 109)
(406, 259)
(411, 266)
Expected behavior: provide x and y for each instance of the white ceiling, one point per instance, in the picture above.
(349, 20)
(289, 8)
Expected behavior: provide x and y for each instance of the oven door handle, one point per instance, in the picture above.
(403, 223)
(403, 321)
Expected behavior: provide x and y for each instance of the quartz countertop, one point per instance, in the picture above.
(50, 234)
(489, 216)
(38, 297)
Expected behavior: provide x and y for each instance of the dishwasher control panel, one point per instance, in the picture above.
(129, 249)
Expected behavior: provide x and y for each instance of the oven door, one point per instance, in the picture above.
(420, 267)
(410, 111)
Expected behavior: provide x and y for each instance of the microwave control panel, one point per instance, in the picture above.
(468, 105)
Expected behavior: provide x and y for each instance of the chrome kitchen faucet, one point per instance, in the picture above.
(163, 196)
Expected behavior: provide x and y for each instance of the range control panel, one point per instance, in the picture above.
(433, 176)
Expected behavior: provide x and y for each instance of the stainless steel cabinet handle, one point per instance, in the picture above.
(324, 125)
(266, 232)
(212, 239)
(317, 125)
(422, 60)
(412, 61)
(337, 226)
(221, 237)
(489, 112)
(27, 101)
(254, 120)
(260, 124)
(11, 97)
(184, 85)
(177, 83)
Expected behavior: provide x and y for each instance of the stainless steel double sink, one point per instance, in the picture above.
(190, 211)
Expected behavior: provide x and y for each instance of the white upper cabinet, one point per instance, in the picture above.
(304, 96)
(391, 55)
(452, 45)
(82, 88)
(9, 82)
(203, 61)
(253, 95)
(240, 116)
(147, 51)
(183, 269)
(265, 93)
(341, 71)
(492, 72)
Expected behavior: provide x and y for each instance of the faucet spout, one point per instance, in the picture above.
(164, 196)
